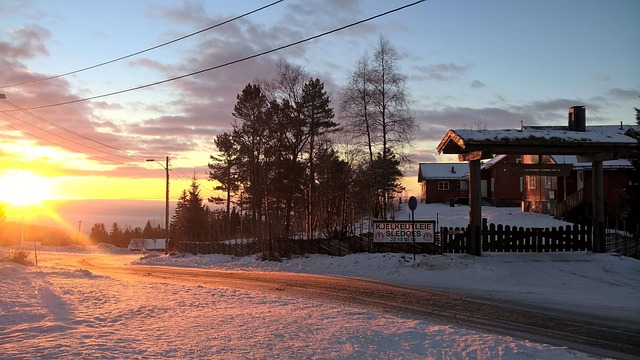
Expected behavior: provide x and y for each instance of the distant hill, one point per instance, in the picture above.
(10, 233)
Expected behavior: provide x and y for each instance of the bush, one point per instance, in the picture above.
(19, 256)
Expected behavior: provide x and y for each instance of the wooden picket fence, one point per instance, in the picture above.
(283, 247)
(495, 238)
(280, 247)
(236, 248)
(499, 238)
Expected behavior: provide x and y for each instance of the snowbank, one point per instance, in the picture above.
(604, 284)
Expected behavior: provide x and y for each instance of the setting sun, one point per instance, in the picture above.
(20, 188)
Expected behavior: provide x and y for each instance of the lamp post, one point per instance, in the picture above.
(166, 210)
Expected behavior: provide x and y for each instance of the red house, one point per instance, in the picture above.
(442, 182)
(500, 185)
(569, 194)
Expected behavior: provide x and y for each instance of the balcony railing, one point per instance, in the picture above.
(562, 208)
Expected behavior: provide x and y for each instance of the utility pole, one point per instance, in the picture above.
(79, 226)
(166, 210)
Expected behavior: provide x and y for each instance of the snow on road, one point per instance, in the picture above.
(50, 312)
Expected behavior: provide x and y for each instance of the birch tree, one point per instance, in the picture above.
(376, 109)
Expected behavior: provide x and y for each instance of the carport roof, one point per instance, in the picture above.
(550, 140)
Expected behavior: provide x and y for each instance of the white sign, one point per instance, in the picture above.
(420, 231)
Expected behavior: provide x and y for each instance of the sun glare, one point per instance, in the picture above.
(23, 188)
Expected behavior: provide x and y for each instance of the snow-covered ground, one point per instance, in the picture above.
(458, 216)
(51, 312)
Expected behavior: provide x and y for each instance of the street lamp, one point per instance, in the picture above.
(166, 211)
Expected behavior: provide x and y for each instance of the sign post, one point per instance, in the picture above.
(404, 231)
(413, 205)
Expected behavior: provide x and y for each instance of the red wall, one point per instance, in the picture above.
(433, 195)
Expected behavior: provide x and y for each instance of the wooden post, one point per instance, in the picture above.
(475, 208)
(598, 207)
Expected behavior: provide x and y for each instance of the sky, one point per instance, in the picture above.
(468, 64)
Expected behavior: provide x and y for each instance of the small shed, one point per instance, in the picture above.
(146, 245)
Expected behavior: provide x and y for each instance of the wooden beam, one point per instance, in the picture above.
(598, 208)
(475, 209)
(474, 155)
(598, 157)
(632, 133)
(540, 169)
(451, 143)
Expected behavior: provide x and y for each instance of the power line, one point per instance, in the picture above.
(62, 137)
(54, 143)
(225, 64)
(60, 127)
(182, 176)
(142, 51)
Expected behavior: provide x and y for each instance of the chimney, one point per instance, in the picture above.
(577, 118)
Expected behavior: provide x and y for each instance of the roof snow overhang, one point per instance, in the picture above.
(598, 142)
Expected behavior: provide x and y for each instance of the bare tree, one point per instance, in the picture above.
(390, 104)
(357, 104)
(287, 84)
(376, 109)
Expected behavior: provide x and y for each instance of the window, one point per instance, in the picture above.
(531, 182)
(548, 182)
(443, 185)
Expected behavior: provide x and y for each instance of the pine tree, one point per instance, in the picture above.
(189, 221)
(178, 223)
(285, 170)
(148, 232)
(317, 114)
(99, 234)
(223, 169)
(249, 137)
(115, 234)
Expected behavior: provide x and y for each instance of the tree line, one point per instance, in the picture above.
(120, 237)
(296, 170)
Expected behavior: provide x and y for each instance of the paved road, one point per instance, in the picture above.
(575, 330)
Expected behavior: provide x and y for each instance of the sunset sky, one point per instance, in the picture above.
(469, 64)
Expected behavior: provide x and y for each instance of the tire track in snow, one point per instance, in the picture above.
(544, 325)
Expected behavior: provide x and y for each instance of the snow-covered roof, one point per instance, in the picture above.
(541, 140)
(609, 164)
(599, 134)
(496, 159)
(442, 171)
